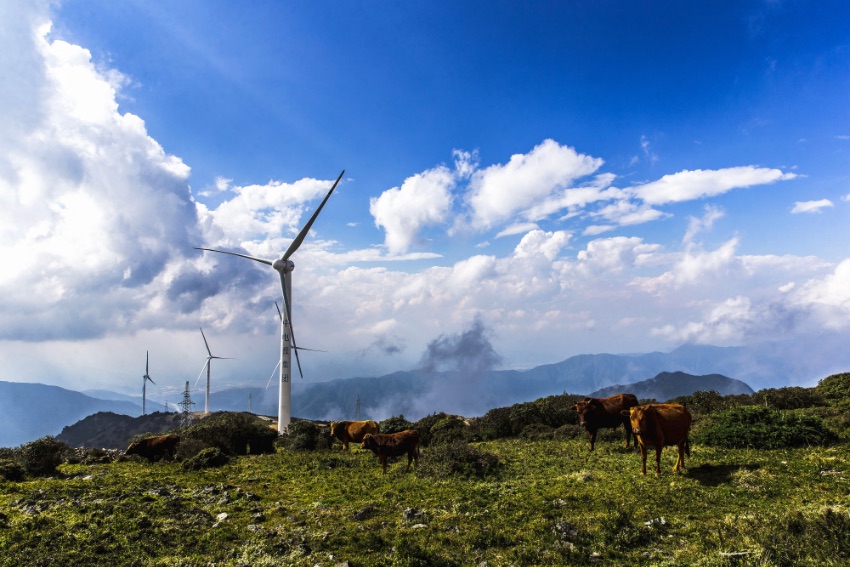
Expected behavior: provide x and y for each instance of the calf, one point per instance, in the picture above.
(153, 447)
(657, 425)
(598, 413)
(348, 431)
(393, 445)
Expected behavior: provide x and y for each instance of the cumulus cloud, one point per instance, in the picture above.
(93, 209)
(699, 184)
(699, 224)
(499, 192)
(811, 206)
(423, 199)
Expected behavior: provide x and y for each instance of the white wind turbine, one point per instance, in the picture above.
(145, 379)
(207, 366)
(284, 268)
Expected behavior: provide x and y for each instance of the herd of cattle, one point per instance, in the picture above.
(651, 425)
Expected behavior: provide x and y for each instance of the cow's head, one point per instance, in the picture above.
(369, 442)
(639, 416)
(133, 449)
(333, 428)
(588, 405)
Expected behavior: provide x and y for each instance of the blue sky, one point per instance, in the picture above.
(566, 177)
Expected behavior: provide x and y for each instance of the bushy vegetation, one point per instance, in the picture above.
(441, 428)
(11, 469)
(789, 398)
(458, 459)
(759, 427)
(395, 424)
(304, 436)
(205, 459)
(42, 456)
(552, 411)
(232, 433)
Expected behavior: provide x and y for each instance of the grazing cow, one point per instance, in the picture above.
(597, 413)
(393, 445)
(348, 431)
(657, 425)
(152, 447)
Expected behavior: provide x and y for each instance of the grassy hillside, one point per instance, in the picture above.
(549, 501)
(552, 502)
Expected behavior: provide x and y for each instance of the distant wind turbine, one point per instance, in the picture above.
(284, 267)
(145, 379)
(207, 366)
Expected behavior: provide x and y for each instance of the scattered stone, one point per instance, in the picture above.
(656, 523)
(365, 513)
(259, 517)
(418, 526)
(565, 531)
(596, 556)
(411, 514)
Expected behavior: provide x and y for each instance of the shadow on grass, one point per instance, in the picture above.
(714, 475)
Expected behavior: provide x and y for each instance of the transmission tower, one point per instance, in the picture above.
(357, 408)
(186, 404)
(250, 401)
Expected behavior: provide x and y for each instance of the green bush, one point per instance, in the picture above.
(232, 433)
(537, 432)
(42, 456)
(441, 428)
(460, 459)
(789, 398)
(759, 427)
(495, 424)
(552, 411)
(303, 436)
(207, 458)
(835, 387)
(11, 470)
(702, 402)
(395, 424)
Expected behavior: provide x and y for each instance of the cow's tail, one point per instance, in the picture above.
(688, 447)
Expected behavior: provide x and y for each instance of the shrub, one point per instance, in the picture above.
(11, 470)
(189, 447)
(835, 387)
(303, 436)
(441, 428)
(232, 433)
(537, 432)
(458, 459)
(762, 428)
(42, 456)
(205, 459)
(570, 431)
(702, 402)
(395, 424)
(789, 398)
(495, 424)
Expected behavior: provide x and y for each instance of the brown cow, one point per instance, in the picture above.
(598, 413)
(657, 425)
(393, 445)
(347, 431)
(154, 447)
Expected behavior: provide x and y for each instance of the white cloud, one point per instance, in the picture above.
(698, 184)
(423, 199)
(811, 206)
(517, 229)
(699, 224)
(499, 192)
(846, 197)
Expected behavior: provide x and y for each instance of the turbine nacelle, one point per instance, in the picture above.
(283, 266)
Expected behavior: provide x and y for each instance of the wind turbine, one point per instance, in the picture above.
(207, 366)
(145, 379)
(284, 267)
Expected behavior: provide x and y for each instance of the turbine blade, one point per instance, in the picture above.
(147, 360)
(278, 310)
(205, 342)
(201, 373)
(276, 366)
(261, 260)
(222, 358)
(301, 235)
(309, 349)
(298, 360)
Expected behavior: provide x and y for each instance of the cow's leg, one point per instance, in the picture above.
(627, 425)
(409, 459)
(344, 445)
(643, 459)
(592, 435)
(680, 462)
(384, 462)
(658, 458)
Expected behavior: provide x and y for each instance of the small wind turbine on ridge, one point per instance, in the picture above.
(284, 267)
(207, 366)
(145, 379)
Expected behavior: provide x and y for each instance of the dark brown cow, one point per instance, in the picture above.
(598, 413)
(657, 425)
(393, 445)
(154, 447)
(348, 431)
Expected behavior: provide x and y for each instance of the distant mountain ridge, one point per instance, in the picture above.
(668, 385)
(30, 411)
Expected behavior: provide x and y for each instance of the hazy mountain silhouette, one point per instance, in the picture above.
(669, 385)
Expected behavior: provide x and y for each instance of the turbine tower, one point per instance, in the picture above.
(284, 267)
(145, 379)
(207, 366)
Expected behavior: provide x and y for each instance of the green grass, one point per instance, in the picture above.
(551, 503)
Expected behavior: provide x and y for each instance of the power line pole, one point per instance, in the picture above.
(186, 404)
(357, 408)
(250, 401)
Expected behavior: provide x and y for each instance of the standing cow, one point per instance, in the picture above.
(394, 445)
(153, 447)
(657, 425)
(598, 413)
(348, 431)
